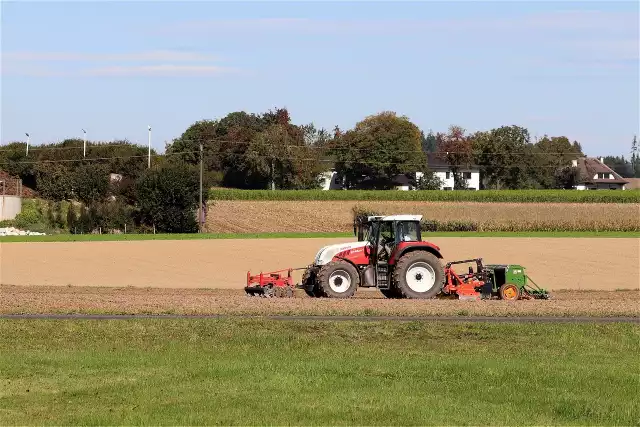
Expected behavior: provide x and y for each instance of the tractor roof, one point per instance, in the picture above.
(396, 218)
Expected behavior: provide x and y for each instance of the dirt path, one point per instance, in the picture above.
(134, 301)
(562, 263)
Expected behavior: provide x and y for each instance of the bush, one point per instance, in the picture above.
(499, 196)
(168, 198)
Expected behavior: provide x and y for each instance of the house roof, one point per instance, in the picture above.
(590, 166)
(434, 162)
(402, 180)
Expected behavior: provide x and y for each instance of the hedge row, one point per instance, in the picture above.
(504, 196)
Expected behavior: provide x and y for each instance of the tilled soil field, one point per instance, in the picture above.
(554, 263)
(228, 216)
(88, 300)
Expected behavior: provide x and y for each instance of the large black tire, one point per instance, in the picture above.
(422, 262)
(392, 292)
(338, 279)
(310, 284)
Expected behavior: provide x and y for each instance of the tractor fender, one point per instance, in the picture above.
(406, 247)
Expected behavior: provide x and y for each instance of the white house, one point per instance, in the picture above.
(595, 175)
(443, 171)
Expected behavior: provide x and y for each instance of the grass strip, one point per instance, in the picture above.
(256, 372)
(213, 236)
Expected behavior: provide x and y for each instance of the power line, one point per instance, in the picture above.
(261, 156)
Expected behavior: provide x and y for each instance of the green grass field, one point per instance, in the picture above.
(195, 236)
(258, 372)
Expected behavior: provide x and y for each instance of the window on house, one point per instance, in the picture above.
(448, 175)
(448, 188)
(603, 175)
(466, 175)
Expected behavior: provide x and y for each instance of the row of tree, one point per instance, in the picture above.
(256, 151)
(113, 185)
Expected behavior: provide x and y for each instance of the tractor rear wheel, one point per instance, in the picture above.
(509, 292)
(418, 275)
(338, 279)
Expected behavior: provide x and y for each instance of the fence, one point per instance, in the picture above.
(10, 186)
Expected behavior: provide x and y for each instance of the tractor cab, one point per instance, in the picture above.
(386, 233)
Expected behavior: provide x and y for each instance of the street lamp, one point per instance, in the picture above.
(27, 143)
(84, 145)
(149, 161)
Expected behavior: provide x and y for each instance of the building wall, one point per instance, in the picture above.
(473, 182)
(10, 206)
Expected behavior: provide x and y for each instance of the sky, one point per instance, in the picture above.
(114, 67)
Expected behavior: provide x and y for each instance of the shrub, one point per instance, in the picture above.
(168, 198)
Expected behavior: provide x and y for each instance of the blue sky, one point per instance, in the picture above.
(557, 68)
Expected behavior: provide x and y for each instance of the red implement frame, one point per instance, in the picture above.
(266, 283)
(464, 287)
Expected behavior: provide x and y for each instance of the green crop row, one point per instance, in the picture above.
(498, 196)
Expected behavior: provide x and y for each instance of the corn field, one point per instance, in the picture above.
(500, 196)
(337, 216)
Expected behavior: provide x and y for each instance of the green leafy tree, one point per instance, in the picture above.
(167, 198)
(429, 181)
(502, 155)
(548, 156)
(91, 183)
(377, 149)
(429, 142)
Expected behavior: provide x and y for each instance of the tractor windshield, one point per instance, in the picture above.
(408, 231)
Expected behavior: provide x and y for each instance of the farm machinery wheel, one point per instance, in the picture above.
(310, 284)
(391, 293)
(509, 292)
(338, 279)
(418, 275)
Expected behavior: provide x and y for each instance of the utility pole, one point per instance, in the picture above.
(273, 184)
(84, 145)
(149, 161)
(200, 210)
(28, 137)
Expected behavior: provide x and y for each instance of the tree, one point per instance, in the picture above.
(547, 157)
(377, 149)
(429, 142)
(167, 198)
(635, 157)
(429, 181)
(620, 165)
(91, 183)
(455, 148)
(567, 177)
(502, 156)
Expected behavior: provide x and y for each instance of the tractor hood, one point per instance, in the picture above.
(327, 253)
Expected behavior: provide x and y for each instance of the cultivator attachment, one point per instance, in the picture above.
(273, 284)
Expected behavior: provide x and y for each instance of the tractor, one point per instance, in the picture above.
(389, 255)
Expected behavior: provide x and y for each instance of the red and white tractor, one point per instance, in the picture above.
(389, 255)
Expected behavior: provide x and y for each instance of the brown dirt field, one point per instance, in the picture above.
(336, 216)
(88, 300)
(554, 263)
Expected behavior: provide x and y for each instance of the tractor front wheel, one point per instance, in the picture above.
(338, 279)
(418, 275)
